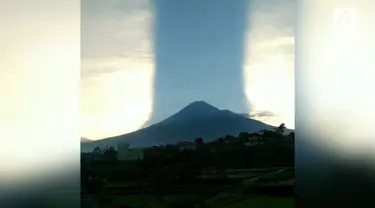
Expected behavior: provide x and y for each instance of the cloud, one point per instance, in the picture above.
(117, 66)
(114, 28)
(269, 61)
(260, 114)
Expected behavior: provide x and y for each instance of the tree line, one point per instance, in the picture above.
(171, 162)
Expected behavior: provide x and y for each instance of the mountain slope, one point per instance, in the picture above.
(198, 119)
(85, 140)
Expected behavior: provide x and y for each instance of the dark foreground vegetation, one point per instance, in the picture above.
(248, 170)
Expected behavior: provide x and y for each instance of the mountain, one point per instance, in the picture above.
(198, 119)
(246, 115)
(85, 140)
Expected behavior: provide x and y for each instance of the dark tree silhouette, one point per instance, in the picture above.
(96, 150)
(110, 154)
(280, 129)
(166, 168)
(243, 137)
(199, 142)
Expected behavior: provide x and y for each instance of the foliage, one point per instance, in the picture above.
(110, 154)
(280, 129)
(198, 142)
(96, 150)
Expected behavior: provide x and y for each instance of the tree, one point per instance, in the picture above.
(280, 129)
(96, 150)
(291, 134)
(110, 154)
(220, 144)
(229, 138)
(243, 137)
(270, 134)
(220, 140)
(198, 143)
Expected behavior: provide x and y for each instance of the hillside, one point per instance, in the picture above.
(85, 140)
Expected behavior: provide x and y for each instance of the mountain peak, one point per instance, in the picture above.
(195, 110)
(199, 108)
(200, 104)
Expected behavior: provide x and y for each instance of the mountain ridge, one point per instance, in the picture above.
(197, 119)
(85, 140)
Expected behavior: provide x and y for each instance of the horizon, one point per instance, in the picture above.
(142, 62)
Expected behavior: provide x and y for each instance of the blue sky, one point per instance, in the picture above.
(143, 61)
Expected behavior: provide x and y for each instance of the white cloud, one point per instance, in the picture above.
(269, 63)
(117, 66)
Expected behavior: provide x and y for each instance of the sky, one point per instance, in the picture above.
(144, 60)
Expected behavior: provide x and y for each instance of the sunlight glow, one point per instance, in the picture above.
(118, 102)
(269, 68)
(40, 90)
(117, 68)
(338, 71)
(270, 88)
